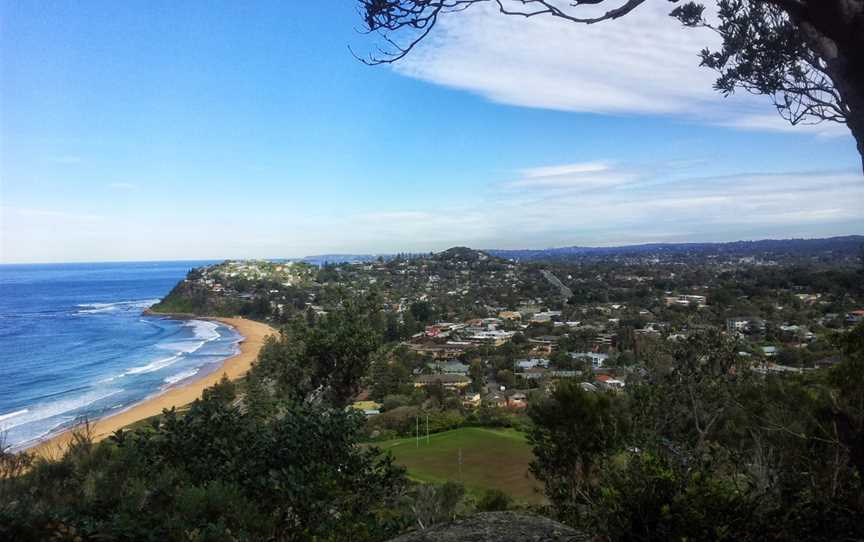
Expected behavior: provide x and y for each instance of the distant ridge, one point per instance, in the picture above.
(847, 245)
(842, 246)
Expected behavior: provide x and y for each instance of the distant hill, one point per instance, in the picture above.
(451, 254)
(464, 254)
(843, 247)
(835, 247)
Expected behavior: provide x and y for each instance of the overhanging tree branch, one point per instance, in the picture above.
(806, 55)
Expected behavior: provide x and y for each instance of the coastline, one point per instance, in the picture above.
(254, 333)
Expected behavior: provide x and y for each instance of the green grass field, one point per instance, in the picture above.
(491, 459)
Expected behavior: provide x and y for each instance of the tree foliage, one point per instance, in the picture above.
(573, 430)
(713, 450)
(213, 473)
(324, 361)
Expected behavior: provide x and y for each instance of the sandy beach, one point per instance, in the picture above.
(254, 334)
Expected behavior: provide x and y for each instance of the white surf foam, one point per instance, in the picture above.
(185, 347)
(173, 379)
(55, 408)
(13, 414)
(205, 330)
(136, 304)
(154, 366)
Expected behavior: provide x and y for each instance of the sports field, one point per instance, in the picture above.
(491, 459)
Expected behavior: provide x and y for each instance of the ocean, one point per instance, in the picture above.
(75, 345)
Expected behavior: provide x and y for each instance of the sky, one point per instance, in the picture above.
(149, 130)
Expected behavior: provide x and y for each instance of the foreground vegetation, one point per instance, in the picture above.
(704, 448)
(700, 446)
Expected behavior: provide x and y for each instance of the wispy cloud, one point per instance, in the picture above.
(574, 176)
(566, 204)
(644, 63)
(567, 169)
(774, 122)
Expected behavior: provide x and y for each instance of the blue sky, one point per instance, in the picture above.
(183, 130)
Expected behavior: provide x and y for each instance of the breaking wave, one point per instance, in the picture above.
(133, 305)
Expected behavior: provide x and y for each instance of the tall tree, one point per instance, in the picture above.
(326, 360)
(573, 431)
(807, 55)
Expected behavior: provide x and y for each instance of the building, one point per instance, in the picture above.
(471, 400)
(448, 381)
(563, 373)
(597, 359)
(534, 373)
(686, 300)
(496, 399)
(493, 337)
(532, 363)
(855, 317)
(449, 367)
(369, 408)
(440, 351)
(745, 324)
(517, 400)
(545, 316)
(606, 382)
(737, 324)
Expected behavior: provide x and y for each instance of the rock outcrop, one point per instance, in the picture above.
(497, 527)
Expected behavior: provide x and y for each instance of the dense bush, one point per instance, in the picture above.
(212, 474)
(703, 448)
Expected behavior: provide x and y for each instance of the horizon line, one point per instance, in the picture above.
(392, 253)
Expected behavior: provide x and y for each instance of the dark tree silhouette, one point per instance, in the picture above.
(807, 55)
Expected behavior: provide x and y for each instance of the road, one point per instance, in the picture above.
(566, 292)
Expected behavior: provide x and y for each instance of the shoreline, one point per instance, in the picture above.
(253, 333)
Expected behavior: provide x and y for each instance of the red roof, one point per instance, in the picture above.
(602, 378)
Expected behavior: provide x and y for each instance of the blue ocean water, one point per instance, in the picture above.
(74, 343)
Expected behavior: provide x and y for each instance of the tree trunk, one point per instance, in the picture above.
(857, 128)
(835, 31)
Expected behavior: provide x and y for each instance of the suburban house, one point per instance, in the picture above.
(440, 351)
(448, 381)
(686, 300)
(471, 400)
(532, 363)
(855, 316)
(597, 359)
(606, 382)
(517, 400)
(449, 367)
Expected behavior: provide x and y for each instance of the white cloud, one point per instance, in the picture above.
(774, 122)
(652, 203)
(569, 176)
(567, 169)
(666, 201)
(644, 63)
